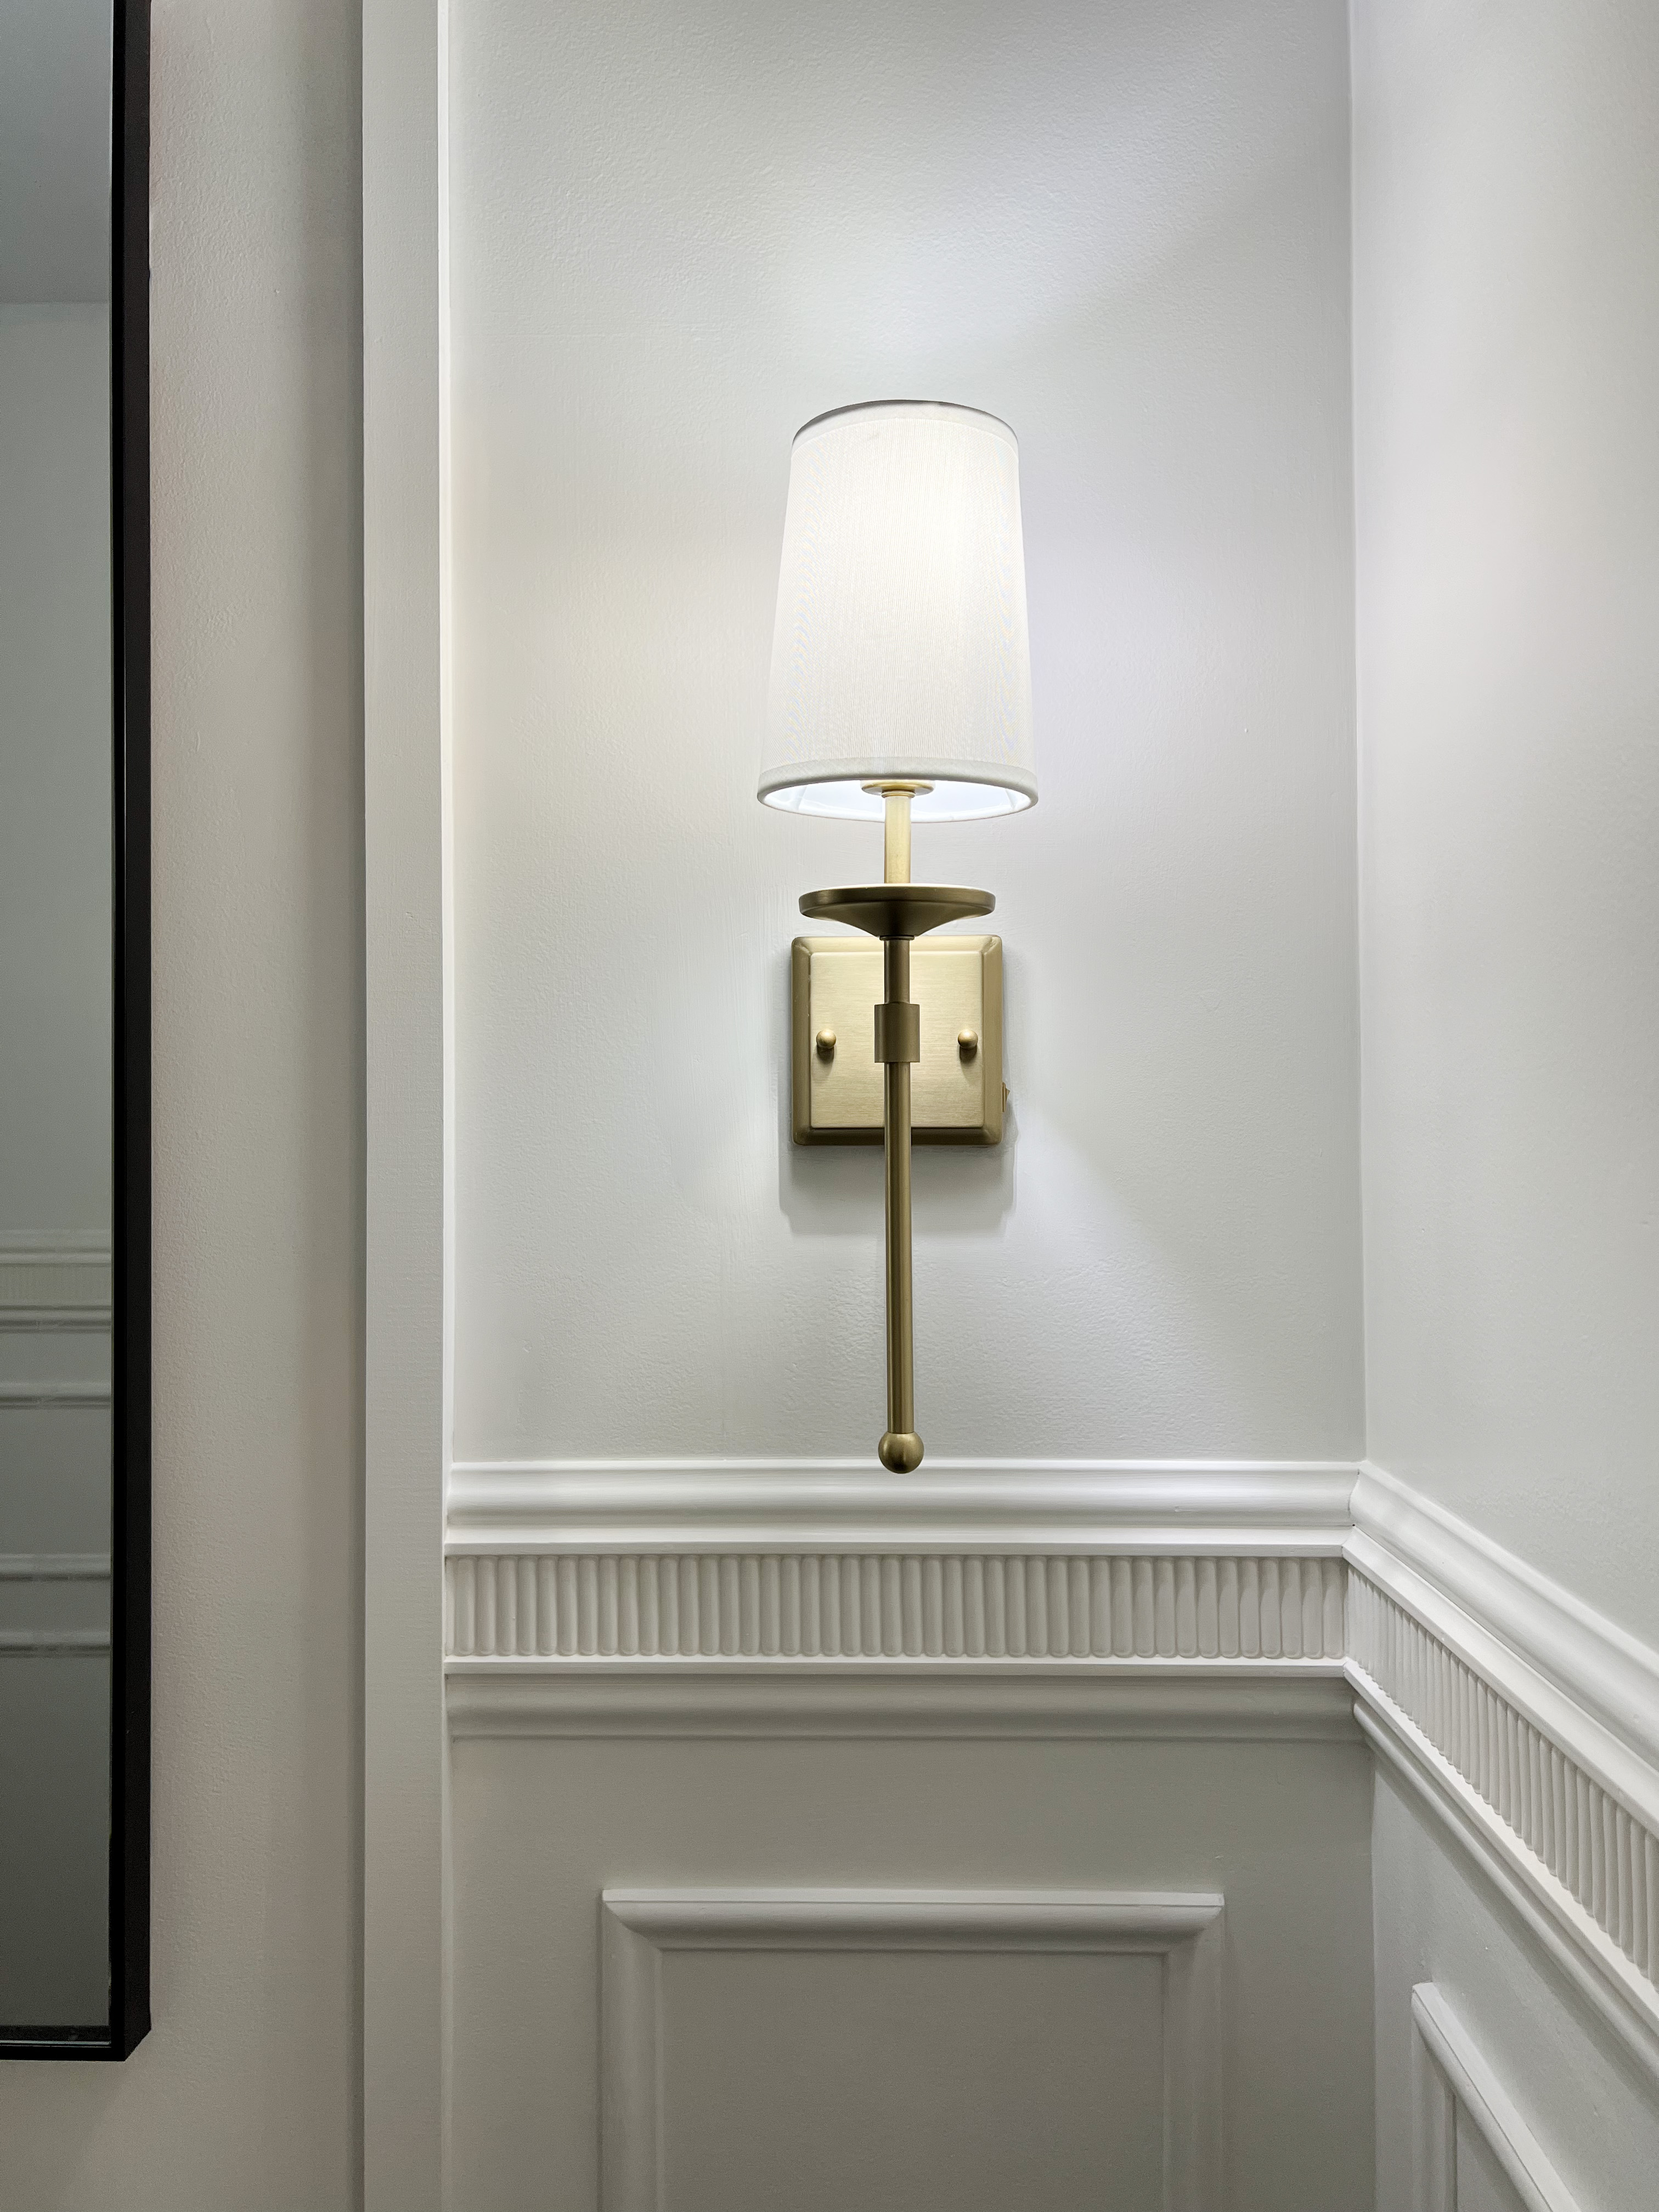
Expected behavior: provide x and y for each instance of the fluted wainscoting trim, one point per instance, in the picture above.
(1601, 1853)
(873, 1605)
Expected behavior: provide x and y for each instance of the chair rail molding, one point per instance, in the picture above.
(1452, 2076)
(1186, 1930)
(688, 1562)
(663, 1505)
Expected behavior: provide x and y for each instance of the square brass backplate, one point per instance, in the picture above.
(955, 1090)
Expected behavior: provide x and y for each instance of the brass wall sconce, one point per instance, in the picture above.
(900, 693)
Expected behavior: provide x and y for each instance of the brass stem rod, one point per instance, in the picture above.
(901, 1448)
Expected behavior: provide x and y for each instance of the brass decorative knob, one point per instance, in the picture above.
(826, 1041)
(966, 1042)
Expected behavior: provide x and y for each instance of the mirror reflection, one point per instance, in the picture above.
(56, 1133)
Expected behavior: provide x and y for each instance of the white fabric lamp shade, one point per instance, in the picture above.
(900, 652)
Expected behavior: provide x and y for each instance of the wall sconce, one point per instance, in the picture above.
(900, 692)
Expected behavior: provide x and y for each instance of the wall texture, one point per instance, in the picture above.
(244, 2094)
(1506, 323)
(677, 233)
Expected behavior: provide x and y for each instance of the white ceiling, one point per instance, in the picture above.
(54, 149)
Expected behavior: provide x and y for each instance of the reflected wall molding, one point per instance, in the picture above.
(35, 1587)
(65, 1283)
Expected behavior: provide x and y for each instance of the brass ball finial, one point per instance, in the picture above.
(900, 1451)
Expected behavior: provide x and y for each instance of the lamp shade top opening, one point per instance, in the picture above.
(900, 652)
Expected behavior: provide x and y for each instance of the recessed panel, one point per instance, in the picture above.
(911, 2081)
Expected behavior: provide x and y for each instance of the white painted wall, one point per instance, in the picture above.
(1507, 465)
(678, 233)
(1506, 323)
(244, 2093)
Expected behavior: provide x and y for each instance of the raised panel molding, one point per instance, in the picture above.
(1451, 2076)
(639, 1925)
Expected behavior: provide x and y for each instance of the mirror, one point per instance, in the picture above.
(74, 1029)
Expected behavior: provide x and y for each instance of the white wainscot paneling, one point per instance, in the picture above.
(925, 2050)
(1529, 1726)
(1094, 1598)
(1471, 2150)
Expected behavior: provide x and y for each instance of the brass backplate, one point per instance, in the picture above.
(956, 1096)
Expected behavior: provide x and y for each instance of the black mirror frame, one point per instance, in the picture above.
(130, 1565)
(130, 1473)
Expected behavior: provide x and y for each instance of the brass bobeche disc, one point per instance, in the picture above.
(897, 909)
